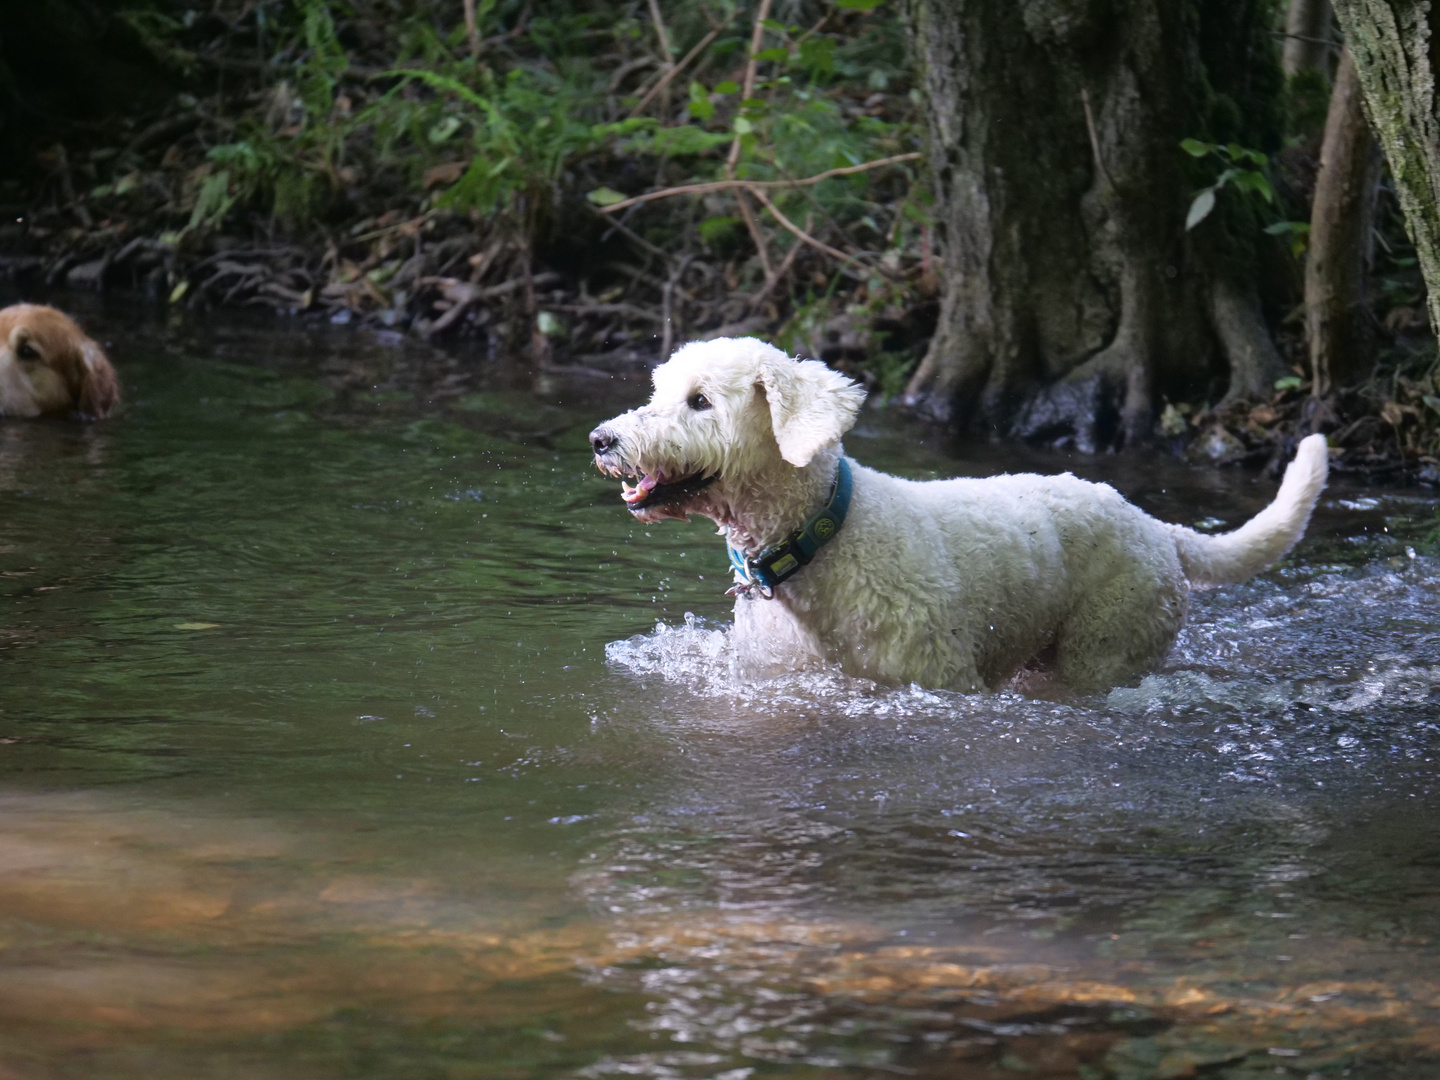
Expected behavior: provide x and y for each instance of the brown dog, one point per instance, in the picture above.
(48, 367)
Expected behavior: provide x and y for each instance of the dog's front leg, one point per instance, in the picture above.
(962, 672)
(770, 640)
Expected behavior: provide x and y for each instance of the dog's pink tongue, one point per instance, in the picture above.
(640, 490)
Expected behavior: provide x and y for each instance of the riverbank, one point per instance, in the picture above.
(591, 194)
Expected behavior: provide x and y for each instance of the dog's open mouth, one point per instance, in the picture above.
(658, 489)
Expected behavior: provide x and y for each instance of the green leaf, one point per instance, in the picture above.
(178, 293)
(858, 5)
(443, 129)
(1236, 152)
(817, 56)
(727, 86)
(684, 140)
(1249, 180)
(604, 196)
(213, 201)
(717, 228)
(701, 107)
(1200, 208)
(774, 27)
(1224, 178)
(438, 81)
(773, 54)
(1259, 182)
(743, 126)
(1288, 227)
(1289, 382)
(1196, 148)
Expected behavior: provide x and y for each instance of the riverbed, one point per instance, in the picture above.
(349, 727)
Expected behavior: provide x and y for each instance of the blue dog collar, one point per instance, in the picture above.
(782, 561)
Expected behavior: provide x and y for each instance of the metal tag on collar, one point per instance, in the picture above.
(764, 572)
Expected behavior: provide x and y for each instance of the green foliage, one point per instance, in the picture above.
(518, 129)
(376, 118)
(1297, 231)
(1242, 169)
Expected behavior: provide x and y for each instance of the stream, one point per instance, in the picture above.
(350, 728)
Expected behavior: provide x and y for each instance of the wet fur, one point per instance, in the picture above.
(48, 367)
(956, 584)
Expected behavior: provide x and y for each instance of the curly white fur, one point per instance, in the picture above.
(956, 584)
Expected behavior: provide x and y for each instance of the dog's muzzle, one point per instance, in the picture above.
(656, 488)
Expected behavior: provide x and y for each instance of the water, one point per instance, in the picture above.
(349, 728)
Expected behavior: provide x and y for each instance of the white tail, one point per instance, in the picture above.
(1235, 556)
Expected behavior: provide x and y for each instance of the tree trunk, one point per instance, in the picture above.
(1337, 321)
(1307, 38)
(1255, 364)
(1073, 294)
(1396, 47)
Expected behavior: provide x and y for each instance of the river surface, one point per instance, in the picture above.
(350, 728)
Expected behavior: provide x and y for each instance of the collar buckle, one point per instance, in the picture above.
(762, 573)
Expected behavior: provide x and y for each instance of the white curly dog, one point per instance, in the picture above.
(958, 584)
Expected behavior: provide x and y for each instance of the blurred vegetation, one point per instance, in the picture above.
(378, 161)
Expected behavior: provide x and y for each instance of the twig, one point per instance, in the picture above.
(665, 54)
(624, 71)
(472, 29)
(407, 227)
(632, 310)
(757, 38)
(750, 185)
(1094, 139)
(634, 237)
(785, 265)
(755, 234)
(818, 245)
(1302, 37)
(674, 69)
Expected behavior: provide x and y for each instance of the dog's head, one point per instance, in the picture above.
(48, 367)
(726, 416)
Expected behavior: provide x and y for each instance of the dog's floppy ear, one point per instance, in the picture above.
(811, 406)
(99, 388)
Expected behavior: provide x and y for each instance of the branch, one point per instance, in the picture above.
(757, 38)
(751, 185)
(784, 268)
(675, 69)
(665, 53)
(755, 234)
(800, 233)
(472, 31)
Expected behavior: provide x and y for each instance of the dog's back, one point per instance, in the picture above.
(1011, 561)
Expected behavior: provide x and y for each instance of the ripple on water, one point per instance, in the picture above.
(1285, 679)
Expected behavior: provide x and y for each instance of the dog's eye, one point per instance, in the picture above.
(27, 352)
(699, 402)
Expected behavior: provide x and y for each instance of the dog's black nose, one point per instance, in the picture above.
(603, 440)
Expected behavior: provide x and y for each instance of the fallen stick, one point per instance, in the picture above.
(751, 185)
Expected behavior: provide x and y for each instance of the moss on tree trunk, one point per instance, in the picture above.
(1072, 293)
(1396, 47)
